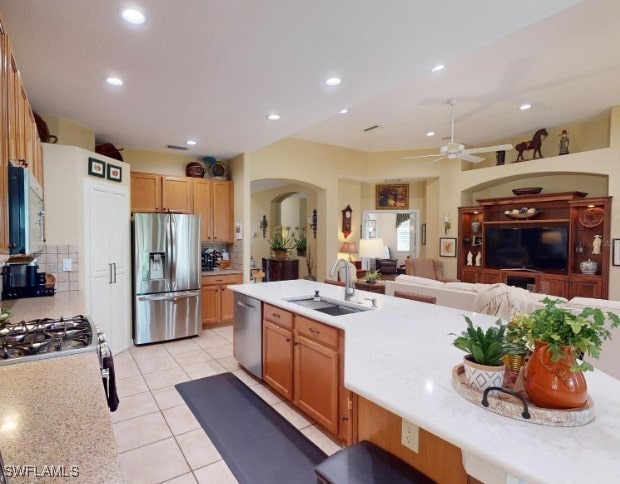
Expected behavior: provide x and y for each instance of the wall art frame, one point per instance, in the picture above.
(115, 173)
(447, 246)
(96, 167)
(392, 196)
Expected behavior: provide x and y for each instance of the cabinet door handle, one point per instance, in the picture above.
(275, 315)
(296, 343)
(288, 340)
(315, 331)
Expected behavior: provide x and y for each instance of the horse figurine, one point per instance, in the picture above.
(534, 144)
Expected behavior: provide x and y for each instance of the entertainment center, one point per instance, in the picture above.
(543, 243)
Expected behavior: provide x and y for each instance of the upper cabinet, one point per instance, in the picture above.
(19, 138)
(211, 199)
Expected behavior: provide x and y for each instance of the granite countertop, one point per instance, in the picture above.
(402, 359)
(53, 412)
(221, 272)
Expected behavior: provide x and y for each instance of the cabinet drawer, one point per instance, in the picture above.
(318, 331)
(221, 279)
(278, 316)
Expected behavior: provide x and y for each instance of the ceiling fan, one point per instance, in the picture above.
(456, 150)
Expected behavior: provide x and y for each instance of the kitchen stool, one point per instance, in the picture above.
(364, 463)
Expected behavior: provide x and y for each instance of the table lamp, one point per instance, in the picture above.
(349, 248)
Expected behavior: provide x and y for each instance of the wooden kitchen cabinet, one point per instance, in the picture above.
(217, 299)
(213, 201)
(145, 192)
(177, 194)
(316, 372)
(278, 350)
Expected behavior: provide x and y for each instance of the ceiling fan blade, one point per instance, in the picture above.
(432, 161)
(470, 158)
(420, 156)
(488, 149)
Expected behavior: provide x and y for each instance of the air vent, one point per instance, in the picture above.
(175, 147)
(372, 127)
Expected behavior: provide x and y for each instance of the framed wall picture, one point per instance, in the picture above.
(96, 167)
(115, 173)
(615, 252)
(447, 246)
(477, 241)
(392, 197)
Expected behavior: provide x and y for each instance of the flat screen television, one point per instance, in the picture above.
(537, 248)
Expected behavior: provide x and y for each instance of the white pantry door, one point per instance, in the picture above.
(107, 263)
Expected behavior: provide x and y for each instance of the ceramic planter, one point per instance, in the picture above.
(481, 377)
(279, 253)
(551, 384)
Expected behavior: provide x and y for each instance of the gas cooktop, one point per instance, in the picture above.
(45, 338)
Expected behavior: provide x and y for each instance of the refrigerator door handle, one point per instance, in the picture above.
(114, 264)
(168, 297)
(173, 255)
(110, 274)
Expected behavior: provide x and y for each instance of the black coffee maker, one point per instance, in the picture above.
(23, 280)
(208, 259)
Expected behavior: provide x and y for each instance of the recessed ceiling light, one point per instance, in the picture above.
(273, 117)
(438, 67)
(430, 133)
(525, 107)
(333, 81)
(191, 142)
(344, 111)
(133, 16)
(114, 81)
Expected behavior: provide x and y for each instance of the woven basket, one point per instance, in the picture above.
(50, 280)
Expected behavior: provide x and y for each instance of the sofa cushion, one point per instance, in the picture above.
(421, 268)
(461, 286)
(603, 304)
(419, 280)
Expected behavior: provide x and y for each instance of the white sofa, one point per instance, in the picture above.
(495, 299)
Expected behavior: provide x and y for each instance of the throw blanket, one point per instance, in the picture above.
(503, 301)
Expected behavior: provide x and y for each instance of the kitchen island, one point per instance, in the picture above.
(54, 419)
(399, 356)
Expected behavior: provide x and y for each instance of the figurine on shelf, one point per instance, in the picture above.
(470, 258)
(596, 245)
(478, 259)
(564, 142)
(579, 248)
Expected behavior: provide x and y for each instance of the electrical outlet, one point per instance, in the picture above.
(410, 435)
(52, 268)
(66, 265)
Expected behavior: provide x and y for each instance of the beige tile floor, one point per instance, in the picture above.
(158, 439)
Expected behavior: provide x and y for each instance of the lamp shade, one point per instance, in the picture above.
(348, 248)
(371, 248)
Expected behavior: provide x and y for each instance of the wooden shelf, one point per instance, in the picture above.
(528, 221)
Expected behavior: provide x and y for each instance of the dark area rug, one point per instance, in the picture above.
(257, 443)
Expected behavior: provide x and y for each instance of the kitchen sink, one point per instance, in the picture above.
(333, 307)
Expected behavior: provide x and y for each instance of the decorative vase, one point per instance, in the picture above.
(481, 377)
(301, 252)
(551, 384)
(588, 267)
(514, 363)
(475, 227)
(279, 253)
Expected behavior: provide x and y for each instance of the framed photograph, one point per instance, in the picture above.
(392, 197)
(115, 173)
(96, 167)
(615, 252)
(423, 234)
(477, 241)
(447, 246)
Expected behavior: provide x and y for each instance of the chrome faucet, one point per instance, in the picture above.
(349, 287)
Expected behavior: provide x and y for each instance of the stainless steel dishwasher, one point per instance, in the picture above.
(248, 334)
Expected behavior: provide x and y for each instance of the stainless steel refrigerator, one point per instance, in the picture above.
(166, 276)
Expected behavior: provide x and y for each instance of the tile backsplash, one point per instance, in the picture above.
(51, 262)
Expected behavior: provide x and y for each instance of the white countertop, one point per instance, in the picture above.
(400, 356)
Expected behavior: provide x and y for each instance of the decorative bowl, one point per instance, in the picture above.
(527, 191)
(523, 214)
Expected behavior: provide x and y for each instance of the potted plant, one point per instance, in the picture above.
(517, 343)
(552, 377)
(280, 244)
(301, 242)
(483, 363)
(372, 277)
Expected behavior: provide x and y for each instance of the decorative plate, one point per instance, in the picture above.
(523, 214)
(592, 217)
(218, 170)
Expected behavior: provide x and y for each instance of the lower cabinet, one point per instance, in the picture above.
(217, 299)
(303, 362)
(585, 286)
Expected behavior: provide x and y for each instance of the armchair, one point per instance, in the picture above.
(386, 265)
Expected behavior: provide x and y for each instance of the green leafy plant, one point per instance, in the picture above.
(486, 347)
(372, 276)
(279, 241)
(517, 335)
(301, 241)
(558, 327)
